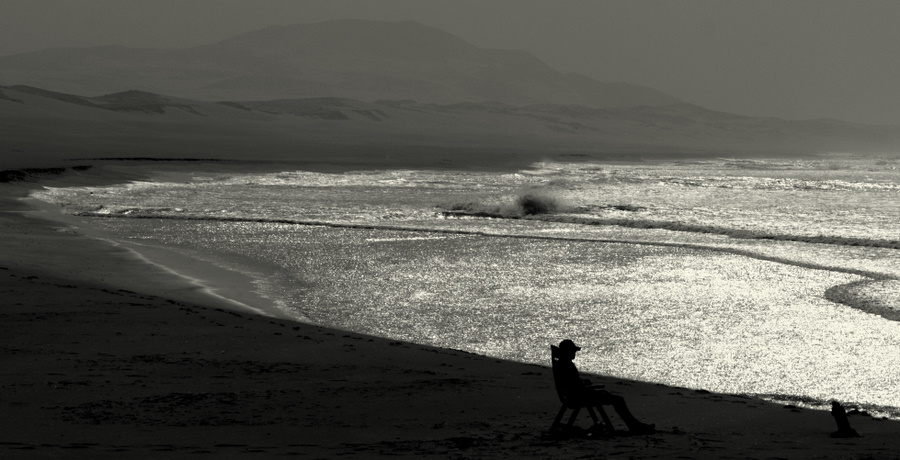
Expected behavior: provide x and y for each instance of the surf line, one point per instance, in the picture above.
(196, 283)
(699, 247)
(682, 227)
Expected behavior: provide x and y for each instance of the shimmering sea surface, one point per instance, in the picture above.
(772, 278)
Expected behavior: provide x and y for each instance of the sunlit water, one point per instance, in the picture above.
(770, 283)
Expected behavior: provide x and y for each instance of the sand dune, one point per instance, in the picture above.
(41, 127)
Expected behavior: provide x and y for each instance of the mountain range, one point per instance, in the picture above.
(37, 122)
(365, 60)
(367, 92)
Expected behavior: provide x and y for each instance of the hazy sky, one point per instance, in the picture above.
(791, 59)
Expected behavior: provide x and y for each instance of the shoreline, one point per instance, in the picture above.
(96, 365)
(148, 266)
(223, 286)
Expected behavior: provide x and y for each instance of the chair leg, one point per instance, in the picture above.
(593, 414)
(575, 412)
(562, 411)
(606, 420)
(559, 416)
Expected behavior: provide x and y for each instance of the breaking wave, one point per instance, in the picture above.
(131, 213)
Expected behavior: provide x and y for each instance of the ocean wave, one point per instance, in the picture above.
(853, 408)
(129, 210)
(387, 179)
(719, 173)
(502, 234)
(879, 297)
(781, 183)
(684, 227)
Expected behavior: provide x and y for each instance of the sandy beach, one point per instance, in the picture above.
(106, 356)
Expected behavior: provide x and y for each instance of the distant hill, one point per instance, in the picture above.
(363, 60)
(39, 127)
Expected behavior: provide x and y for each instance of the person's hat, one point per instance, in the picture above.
(568, 345)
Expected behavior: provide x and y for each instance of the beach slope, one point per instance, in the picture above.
(106, 357)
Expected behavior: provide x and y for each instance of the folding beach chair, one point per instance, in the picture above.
(569, 402)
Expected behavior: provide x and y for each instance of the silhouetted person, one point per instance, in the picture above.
(840, 417)
(583, 392)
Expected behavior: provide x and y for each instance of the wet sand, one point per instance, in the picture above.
(108, 357)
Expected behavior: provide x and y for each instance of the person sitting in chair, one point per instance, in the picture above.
(583, 392)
